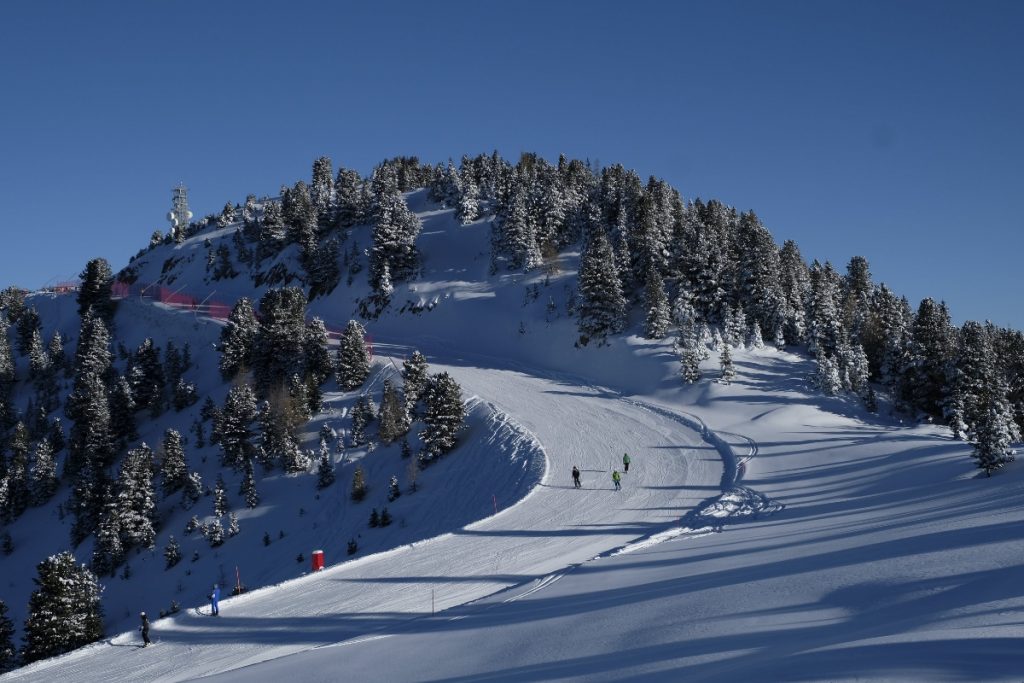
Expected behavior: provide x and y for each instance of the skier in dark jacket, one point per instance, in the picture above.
(145, 629)
(625, 462)
(576, 476)
(214, 599)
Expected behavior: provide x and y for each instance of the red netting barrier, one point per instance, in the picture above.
(188, 301)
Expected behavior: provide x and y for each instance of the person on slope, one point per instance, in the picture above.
(214, 600)
(145, 629)
(576, 476)
(617, 480)
(625, 462)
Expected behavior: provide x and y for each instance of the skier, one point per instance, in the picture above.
(625, 462)
(145, 629)
(214, 599)
(576, 476)
(617, 479)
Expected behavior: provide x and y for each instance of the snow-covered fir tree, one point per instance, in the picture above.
(234, 426)
(64, 610)
(726, 365)
(415, 375)
(602, 306)
(992, 438)
(353, 365)
(238, 339)
(192, 492)
(172, 553)
(136, 500)
(95, 290)
(393, 489)
(444, 415)
(248, 487)
(220, 497)
(321, 192)
(826, 375)
(278, 352)
(656, 306)
(108, 550)
(44, 472)
(325, 467)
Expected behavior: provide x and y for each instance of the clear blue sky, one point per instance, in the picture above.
(891, 130)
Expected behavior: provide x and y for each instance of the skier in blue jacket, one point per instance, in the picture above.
(214, 599)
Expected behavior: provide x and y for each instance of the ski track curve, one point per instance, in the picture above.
(531, 544)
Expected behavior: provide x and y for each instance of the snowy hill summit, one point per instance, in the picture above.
(355, 408)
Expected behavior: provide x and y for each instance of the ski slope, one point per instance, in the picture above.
(764, 532)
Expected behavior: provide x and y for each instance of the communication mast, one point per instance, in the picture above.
(179, 215)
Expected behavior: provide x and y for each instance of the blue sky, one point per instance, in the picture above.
(890, 130)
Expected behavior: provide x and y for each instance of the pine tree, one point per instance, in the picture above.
(385, 517)
(108, 551)
(602, 306)
(64, 610)
(415, 374)
(656, 305)
(220, 497)
(374, 518)
(19, 490)
(992, 439)
(214, 533)
(353, 366)
(44, 473)
(8, 655)
(394, 420)
(136, 500)
(359, 488)
(444, 416)
(826, 376)
(122, 412)
(279, 349)
(238, 339)
(321, 191)
(95, 290)
(172, 553)
(192, 492)
(146, 376)
(299, 214)
(248, 488)
(316, 357)
(393, 490)
(725, 362)
(348, 191)
(234, 426)
(232, 525)
(325, 468)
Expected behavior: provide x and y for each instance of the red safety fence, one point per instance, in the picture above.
(184, 300)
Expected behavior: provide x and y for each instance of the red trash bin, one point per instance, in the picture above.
(318, 560)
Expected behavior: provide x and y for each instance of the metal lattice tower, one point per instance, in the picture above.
(179, 215)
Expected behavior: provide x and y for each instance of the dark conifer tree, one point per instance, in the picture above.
(278, 351)
(220, 497)
(359, 488)
(64, 610)
(146, 376)
(172, 553)
(353, 366)
(19, 487)
(415, 375)
(28, 326)
(321, 192)
(136, 500)
(44, 473)
(122, 413)
(238, 339)
(108, 551)
(932, 352)
(602, 306)
(656, 306)
(8, 655)
(248, 488)
(394, 420)
(234, 426)
(444, 416)
(348, 198)
(95, 290)
(325, 468)
(173, 466)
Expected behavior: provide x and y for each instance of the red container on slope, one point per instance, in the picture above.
(318, 560)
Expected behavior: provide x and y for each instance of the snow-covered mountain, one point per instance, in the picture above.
(763, 530)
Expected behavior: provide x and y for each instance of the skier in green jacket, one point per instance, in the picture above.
(617, 479)
(625, 462)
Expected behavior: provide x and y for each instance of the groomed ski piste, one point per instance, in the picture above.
(763, 531)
